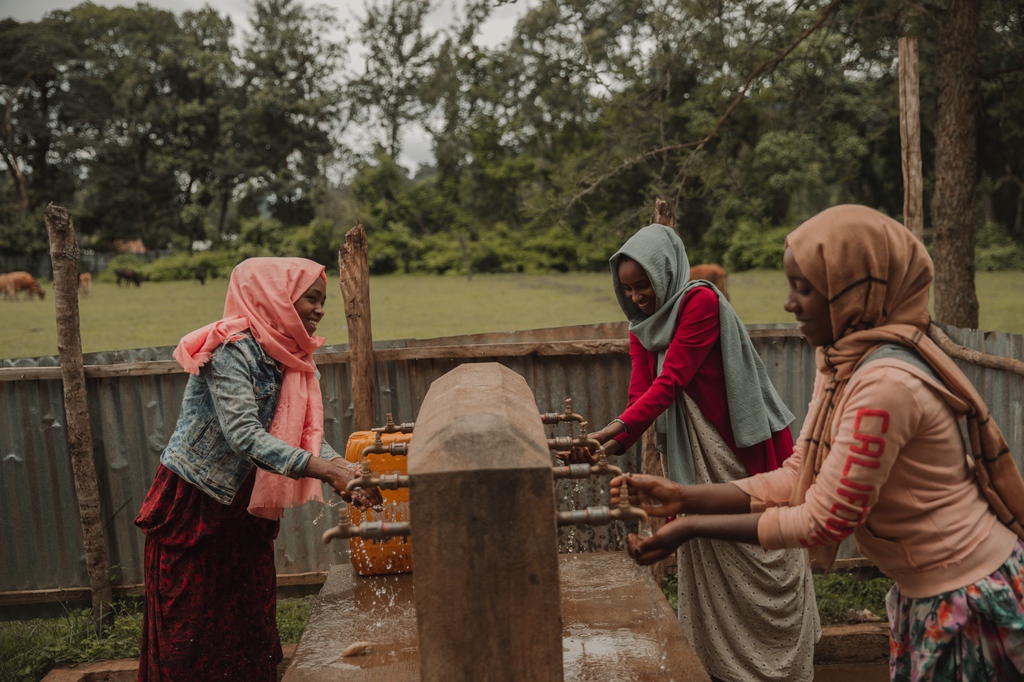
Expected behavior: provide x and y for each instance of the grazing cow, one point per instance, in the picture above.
(128, 276)
(200, 274)
(84, 285)
(14, 282)
(713, 273)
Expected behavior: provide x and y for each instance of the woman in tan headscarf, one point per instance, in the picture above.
(881, 456)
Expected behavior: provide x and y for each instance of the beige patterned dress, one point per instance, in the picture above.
(749, 612)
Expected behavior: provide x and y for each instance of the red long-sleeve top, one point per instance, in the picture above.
(693, 365)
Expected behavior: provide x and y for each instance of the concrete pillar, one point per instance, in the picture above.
(482, 506)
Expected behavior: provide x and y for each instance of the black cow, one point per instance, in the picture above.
(200, 274)
(128, 276)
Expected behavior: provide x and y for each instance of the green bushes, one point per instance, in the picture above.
(840, 593)
(30, 649)
(755, 248)
(180, 266)
(996, 251)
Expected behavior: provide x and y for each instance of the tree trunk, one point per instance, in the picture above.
(64, 255)
(953, 205)
(353, 263)
(910, 138)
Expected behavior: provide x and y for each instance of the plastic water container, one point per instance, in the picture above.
(386, 555)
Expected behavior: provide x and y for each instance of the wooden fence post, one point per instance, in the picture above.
(910, 138)
(64, 256)
(650, 458)
(353, 263)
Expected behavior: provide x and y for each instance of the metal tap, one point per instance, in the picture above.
(567, 416)
(384, 481)
(626, 511)
(603, 467)
(391, 427)
(378, 448)
(561, 443)
(369, 530)
(599, 516)
(366, 479)
(584, 470)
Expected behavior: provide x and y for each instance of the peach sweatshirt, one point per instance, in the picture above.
(897, 478)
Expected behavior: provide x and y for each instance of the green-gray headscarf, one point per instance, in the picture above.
(755, 409)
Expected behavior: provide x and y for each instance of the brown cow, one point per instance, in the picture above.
(84, 285)
(14, 282)
(128, 276)
(713, 273)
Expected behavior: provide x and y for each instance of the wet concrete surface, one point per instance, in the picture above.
(616, 626)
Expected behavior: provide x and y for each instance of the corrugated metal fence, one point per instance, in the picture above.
(135, 396)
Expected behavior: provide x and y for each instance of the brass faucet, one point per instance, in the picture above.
(626, 511)
(391, 427)
(599, 516)
(602, 467)
(366, 479)
(567, 416)
(560, 443)
(368, 530)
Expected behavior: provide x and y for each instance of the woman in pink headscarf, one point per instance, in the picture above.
(249, 442)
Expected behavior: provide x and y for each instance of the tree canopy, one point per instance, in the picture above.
(548, 149)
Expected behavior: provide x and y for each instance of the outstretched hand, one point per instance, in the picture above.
(365, 498)
(337, 473)
(655, 495)
(659, 546)
(577, 454)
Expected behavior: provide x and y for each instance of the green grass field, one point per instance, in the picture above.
(407, 306)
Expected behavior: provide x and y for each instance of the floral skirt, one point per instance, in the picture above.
(973, 633)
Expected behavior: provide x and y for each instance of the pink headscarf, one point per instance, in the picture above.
(261, 298)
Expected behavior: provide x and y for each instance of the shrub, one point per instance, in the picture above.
(182, 266)
(754, 246)
(30, 649)
(997, 258)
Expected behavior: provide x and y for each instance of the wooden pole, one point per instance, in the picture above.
(650, 458)
(910, 138)
(64, 256)
(353, 263)
(913, 196)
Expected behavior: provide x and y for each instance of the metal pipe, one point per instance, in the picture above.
(599, 516)
(368, 530)
(379, 448)
(592, 516)
(572, 471)
(391, 427)
(384, 482)
(583, 470)
(567, 416)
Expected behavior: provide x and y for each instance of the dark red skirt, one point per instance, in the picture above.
(211, 586)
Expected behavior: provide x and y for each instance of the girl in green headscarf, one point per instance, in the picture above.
(697, 377)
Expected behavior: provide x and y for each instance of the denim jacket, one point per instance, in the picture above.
(222, 430)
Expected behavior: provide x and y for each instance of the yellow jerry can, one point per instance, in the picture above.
(385, 555)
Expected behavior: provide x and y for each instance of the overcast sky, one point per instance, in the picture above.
(415, 144)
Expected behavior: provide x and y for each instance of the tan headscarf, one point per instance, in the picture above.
(876, 276)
